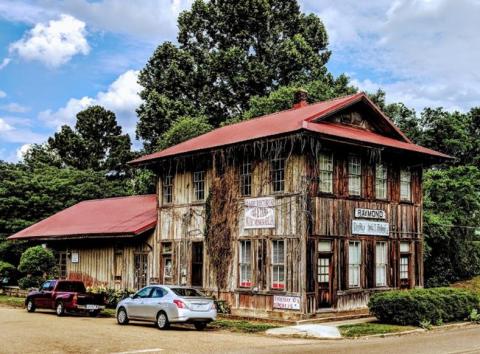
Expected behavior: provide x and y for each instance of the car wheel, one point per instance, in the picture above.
(162, 320)
(200, 326)
(30, 305)
(60, 309)
(122, 318)
(93, 313)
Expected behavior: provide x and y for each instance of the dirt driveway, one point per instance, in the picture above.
(43, 332)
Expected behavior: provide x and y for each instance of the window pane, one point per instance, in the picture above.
(245, 269)
(199, 185)
(354, 175)
(381, 263)
(326, 172)
(404, 247)
(405, 185)
(167, 189)
(403, 267)
(354, 262)
(278, 266)
(278, 174)
(246, 178)
(381, 182)
(324, 246)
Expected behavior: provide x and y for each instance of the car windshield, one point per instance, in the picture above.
(186, 292)
(73, 287)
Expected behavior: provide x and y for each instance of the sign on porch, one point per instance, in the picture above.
(370, 213)
(374, 228)
(286, 302)
(259, 213)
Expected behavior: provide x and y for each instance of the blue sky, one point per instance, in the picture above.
(58, 57)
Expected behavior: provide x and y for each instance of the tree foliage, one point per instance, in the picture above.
(228, 52)
(37, 261)
(96, 143)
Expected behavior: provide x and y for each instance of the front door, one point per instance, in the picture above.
(197, 263)
(141, 269)
(324, 277)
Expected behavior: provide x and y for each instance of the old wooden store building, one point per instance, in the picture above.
(284, 215)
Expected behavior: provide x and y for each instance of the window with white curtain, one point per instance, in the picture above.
(405, 185)
(354, 175)
(245, 264)
(278, 264)
(380, 181)
(381, 264)
(354, 263)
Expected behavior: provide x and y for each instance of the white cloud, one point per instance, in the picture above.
(421, 51)
(121, 97)
(22, 150)
(4, 126)
(53, 43)
(14, 108)
(2, 94)
(4, 63)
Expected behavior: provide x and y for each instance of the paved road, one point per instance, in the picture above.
(22, 332)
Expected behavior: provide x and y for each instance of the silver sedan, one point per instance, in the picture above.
(165, 304)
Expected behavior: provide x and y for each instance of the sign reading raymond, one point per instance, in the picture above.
(286, 302)
(259, 213)
(370, 213)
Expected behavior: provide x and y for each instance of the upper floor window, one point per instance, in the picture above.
(246, 178)
(326, 172)
(278, 174)
(354, 175)
(354, 262)
(199, 185)
(405, 185)
(245, 264)
(167, 190)
(380, 181)
(278, 264)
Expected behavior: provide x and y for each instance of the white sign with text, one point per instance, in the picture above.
(374, 228)
(259, 213)
(370, 213)
(286, 302)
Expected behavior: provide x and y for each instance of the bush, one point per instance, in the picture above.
(413, 307)
(112, 296)
(30, 282)
(37, 261)
(6, 269)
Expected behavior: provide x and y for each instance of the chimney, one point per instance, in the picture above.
(300, 98)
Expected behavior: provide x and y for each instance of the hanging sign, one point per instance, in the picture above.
(366, 227)
(259, 213)
(286, 302)
(75, 257)
(370, 213)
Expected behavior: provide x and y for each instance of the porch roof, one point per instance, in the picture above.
(121, 216)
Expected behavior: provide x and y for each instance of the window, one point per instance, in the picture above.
(380, 181)
(403, 267)
(245, 264)
(405, 185)
(323, 269)
(167, 191)
(326, 172)
(278, 265)
(49, 285)
(118, 262)
(246, 178)
(354, 261)
(167, 262)
(199, 185)
(143, 293)
(381, 264)
(158, 292)
(324, 246)
(404, 247)
(354, 176)
(278, 174)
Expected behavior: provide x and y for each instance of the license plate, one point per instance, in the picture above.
(200, 307)
(92, 307)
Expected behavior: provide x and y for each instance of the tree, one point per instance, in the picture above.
(229, 51)
(96, 143)
(37, 261)
(183, 129)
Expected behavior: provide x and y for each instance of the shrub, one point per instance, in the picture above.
(6, 269)
(37, 261)
(30, 282)
(414, 307)
(112, 296)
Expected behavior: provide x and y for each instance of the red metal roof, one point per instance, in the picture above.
(127, 216)
(289, 121)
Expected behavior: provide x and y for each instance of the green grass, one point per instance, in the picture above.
(12, 301)
(242, 326)
(371, 328)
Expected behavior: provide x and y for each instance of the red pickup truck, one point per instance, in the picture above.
(63, 296)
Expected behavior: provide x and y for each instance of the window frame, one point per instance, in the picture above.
(277, 174)
(357, 176)
(276, 266)
(357, 266)
(246, 174)
(381, 265)
(167, 190)
(199, 185)
(247, 263)
(325, 172)
(381, 181)
(401, 267)
(404, 183)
